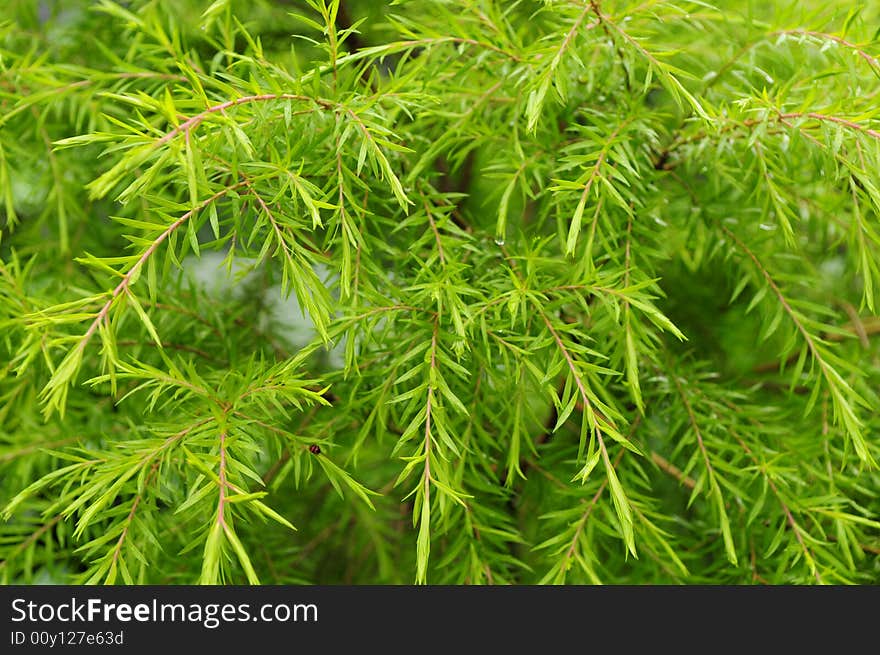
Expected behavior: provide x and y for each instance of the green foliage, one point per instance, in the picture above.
(510, 292)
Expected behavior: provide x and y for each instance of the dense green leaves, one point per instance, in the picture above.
(447, 292)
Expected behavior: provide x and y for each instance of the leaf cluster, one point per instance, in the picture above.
(337, 291)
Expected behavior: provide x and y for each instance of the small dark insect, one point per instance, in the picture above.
(315, 449)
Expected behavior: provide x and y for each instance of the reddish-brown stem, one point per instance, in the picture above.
(574, 30)
(872, 61)
(435, 231)
(131, 513)
(597, 418)
(31, 539)
(193, 122)
(594, 173)
(693, 421)
(662, 160)
(808, 339)
(428, 406)
(591, 504)
(865, 328)
(126, 279)
(789, 517)
(221, 501)
(668, 467)
(826, 118)
(603, 20)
